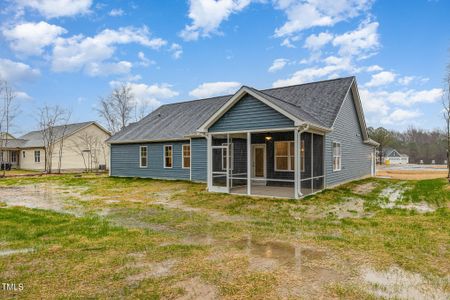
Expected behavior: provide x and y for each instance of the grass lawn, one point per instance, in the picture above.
(100, 237)
(14, 172)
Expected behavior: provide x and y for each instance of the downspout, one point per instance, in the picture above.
(302, 128)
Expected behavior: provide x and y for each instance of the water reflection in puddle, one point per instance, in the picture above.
(270, 254)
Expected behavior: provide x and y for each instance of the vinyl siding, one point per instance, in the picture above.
(125, 161)
(199, 162)
(356, 158)
(249, 113)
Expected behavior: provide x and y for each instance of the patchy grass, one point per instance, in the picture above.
(15, 172)
(145, 238)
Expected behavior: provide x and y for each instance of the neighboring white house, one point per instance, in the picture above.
(393, 157)
(77, 146)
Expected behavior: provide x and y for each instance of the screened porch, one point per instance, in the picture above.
(287, 164)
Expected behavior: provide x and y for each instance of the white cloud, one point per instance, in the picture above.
(209, 89)
(144, 61)
(105, 69)
(176, 50)
(374, 102)
(116, 12)
(400, 116)
(22, 95)
(287, 42)
(278, 64)
(207, 15)
(315, 42)
(381, 78)
(304, 14)
(406, 80)
(16, 71)
(406, 98)
(87, 53)
(374, 68)
(332, 69)
(57, 8)
(361, 43)
(31, 38)
(149, 95)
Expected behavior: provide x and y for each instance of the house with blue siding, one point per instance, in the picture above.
(281, 142)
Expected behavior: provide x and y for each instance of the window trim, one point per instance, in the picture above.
(35, 152)
(183, 156)
(337, 156)
(171, 156)
(23, 154)
(289, 156)
(14, 157)
(140, 157)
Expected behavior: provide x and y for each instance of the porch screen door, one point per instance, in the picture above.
(220, 162)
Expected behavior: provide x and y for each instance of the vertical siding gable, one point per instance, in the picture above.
(356, 156)
(250, 113)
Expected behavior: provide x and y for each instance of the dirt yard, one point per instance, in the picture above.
(99, 237)
(412, 172)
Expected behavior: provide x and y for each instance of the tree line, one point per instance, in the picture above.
(422, 146)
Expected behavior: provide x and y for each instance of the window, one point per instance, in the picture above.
(224, 156)
(168, 156)
(284, 156)
(143, 156)
(23, 154)
(337, 163)
(13, 156)
(186, 156)
(37, 156)
(302, 155)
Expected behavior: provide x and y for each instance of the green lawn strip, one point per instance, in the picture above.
(75, 256)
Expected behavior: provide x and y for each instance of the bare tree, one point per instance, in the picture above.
(90, 148)
(62, 139)
(50, 120)
(446, 105)
(8, 111)
(117, 108)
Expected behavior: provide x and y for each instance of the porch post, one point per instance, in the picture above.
(209, 160)
(249, 163)
(296, 164)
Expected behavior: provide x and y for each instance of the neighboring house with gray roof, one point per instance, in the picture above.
(83, 146)
(284, 142)
(393, 157)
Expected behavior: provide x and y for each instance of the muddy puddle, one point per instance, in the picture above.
(8, 252)
(273, 254)
(196, 288)
(350, 207)
(43, 196)
(147, 270)
(364, 188)
(393, 195)
(396, 283)
(165, 199)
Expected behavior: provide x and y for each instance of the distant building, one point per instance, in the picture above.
(83, 147)
(393, 157)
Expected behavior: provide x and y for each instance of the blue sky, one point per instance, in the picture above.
(73, 52)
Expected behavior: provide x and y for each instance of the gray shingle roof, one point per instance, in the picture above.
(316, 102)
(12, 143)
(34, 139)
